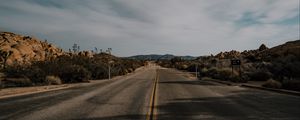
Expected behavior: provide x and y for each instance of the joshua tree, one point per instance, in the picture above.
(96, 50)
(75, 48)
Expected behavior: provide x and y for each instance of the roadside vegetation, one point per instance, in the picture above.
(67, 69)
(277, 67)
(28, 61)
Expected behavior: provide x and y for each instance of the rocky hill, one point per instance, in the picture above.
(289, 48)
(19, 49)
(263, 52)
(280, 64)
(27, 61)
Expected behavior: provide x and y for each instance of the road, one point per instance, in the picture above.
(126, 98)
(181, 98)
(134, 97)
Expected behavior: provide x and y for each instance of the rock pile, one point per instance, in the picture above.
(25, 49)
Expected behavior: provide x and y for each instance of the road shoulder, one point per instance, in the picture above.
(19, 91)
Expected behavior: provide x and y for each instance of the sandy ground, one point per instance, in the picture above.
(21, 90)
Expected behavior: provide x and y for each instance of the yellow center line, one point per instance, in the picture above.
(151, 115)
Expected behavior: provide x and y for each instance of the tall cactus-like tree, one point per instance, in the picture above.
(4, 56)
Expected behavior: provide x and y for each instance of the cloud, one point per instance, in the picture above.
(178, 27)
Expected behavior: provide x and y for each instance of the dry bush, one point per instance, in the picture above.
(71, 69)
(225, 73)
(53, 80)
(74, 73)
(19, 82)
(33, 73)
(260, 75)
(36, 75)
(99, 71)
(221, 73)
(272, 84)
(291, 84)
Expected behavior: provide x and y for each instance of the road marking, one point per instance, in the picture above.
(151, 115)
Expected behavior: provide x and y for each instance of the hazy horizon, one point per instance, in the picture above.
(140, 27)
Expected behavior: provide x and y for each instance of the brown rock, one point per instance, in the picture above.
(262, 47)
(26, 49)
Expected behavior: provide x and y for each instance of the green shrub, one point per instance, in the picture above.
(33, 73)
(291, 84)
(72, 69)
(272, 84)
(222, 74)
(212, 71)
(19, 82)
(36, 75)
(16, 71)
(260, 75)
(203, 72)
(53, 80)
(74, 73)
(225, 73)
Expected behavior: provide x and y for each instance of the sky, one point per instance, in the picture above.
(132, 27)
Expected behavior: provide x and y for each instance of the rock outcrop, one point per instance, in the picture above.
(262, 47)
(25, 49)
(228, 55)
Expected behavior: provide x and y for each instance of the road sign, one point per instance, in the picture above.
(235, 62)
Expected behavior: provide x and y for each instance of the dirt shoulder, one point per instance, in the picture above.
(10, 92)
(17, 91)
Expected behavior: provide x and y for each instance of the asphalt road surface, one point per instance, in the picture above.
(126, 98)
(174, 97)
(184, 99)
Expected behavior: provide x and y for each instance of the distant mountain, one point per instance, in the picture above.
(159, 57)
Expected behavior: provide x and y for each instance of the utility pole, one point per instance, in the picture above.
(109, 61)
(108, 71)
(196, 71)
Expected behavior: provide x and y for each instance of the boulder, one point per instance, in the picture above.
(26, 49)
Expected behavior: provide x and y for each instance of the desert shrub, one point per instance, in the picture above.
(203, 72)
(33, 73)
(238, 79)
(224, 73)
(212, 71)
(176, 59)
(272, 84)
(259, 75)
(20, 82)
(252, 58)
(285, 67)
(72, 69)
(191, 68)
(16, 71)
(291, 84)
(53, 80)
(245, 76)
(99, 71)
(74, 73)
(36, 75)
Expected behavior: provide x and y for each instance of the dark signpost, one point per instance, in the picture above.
(236, 62)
